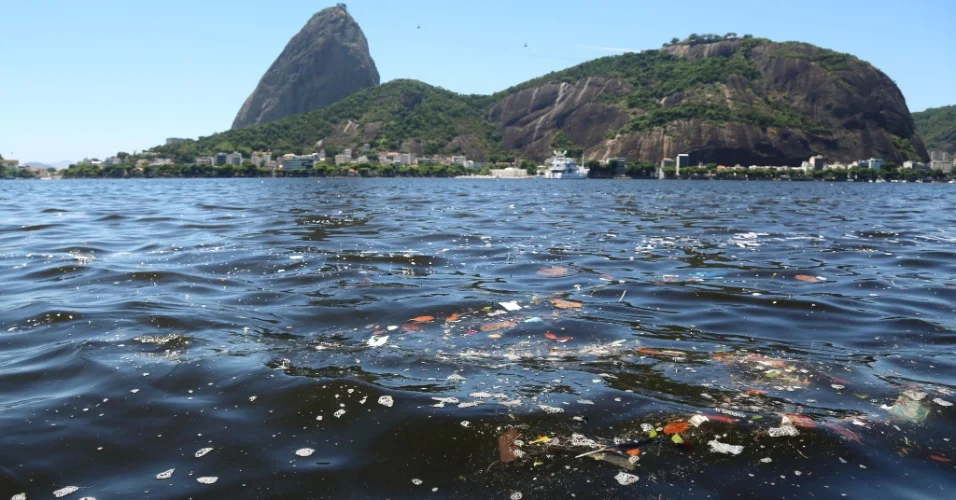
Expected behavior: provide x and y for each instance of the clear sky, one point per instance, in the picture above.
(93, 77)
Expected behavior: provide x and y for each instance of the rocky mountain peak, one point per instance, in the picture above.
(328, 60)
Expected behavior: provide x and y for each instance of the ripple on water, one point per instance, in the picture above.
(363, 320)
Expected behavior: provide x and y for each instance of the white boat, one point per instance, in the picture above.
(563, 167)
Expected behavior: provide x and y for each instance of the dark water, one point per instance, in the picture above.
(142, 321)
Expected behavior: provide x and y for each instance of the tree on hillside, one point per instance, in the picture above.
(675, 41)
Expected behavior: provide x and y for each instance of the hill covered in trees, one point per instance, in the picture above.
(723, 99)
(937, 126)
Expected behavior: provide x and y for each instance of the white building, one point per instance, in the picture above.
(938, 156)
(343, 159)
(944, 165)
(205, 160)
(872, 163)
(459, 160)
(234, 158)
(403, 159)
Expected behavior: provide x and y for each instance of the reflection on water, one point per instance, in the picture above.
(400, 338)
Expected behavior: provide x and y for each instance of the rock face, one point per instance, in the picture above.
(737, 101)
(328, 60)
(832, 104)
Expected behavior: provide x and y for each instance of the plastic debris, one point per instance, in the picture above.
(551, 409)
(697, 420)
(165, 474)
(202, 452)
(566, 304)
(19, 496)
(541, 440)
(516, 495)
(507, 446)
(511, 306)
(728, 449)
(304, 452)
(942, 402)
(207, 479)
(808, 279)
(579, 440)
(787, 430)
(624, 479)
(915, 395)
(551, 336)
(675, 428)
(416, 481)
(67, 490)
(386, 401)
(378, 341)
(338, 413)
(766, 460)
(909, 408)
(676, 439)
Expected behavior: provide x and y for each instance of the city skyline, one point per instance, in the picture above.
(108, 76)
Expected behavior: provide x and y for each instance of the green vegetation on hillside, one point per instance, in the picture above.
(827, 59)
(937, 127)
(129, 171)
(406, 110)
(661, 87)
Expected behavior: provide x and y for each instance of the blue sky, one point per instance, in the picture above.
(94, 77)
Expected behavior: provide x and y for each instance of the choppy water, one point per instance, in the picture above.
(143, 321)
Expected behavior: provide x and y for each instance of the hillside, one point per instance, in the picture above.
(726, 101)
(937, 126)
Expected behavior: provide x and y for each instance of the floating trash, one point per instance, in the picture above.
(416, 481)
(908, 408)
(566, 304)
(551, 409)
(378, 341)
(624, 479)
(165, 474)
(67, 490)
(942, 402)
(304, 452)
(202, 452)
(386, 401)
(727, 449)
(510, 306)
(207, 479)
(697, 420)
(338, 413)
(19, 496)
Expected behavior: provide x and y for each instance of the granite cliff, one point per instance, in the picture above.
(727, 100)
(328, 60)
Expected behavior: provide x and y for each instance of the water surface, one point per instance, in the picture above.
(143, 321)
